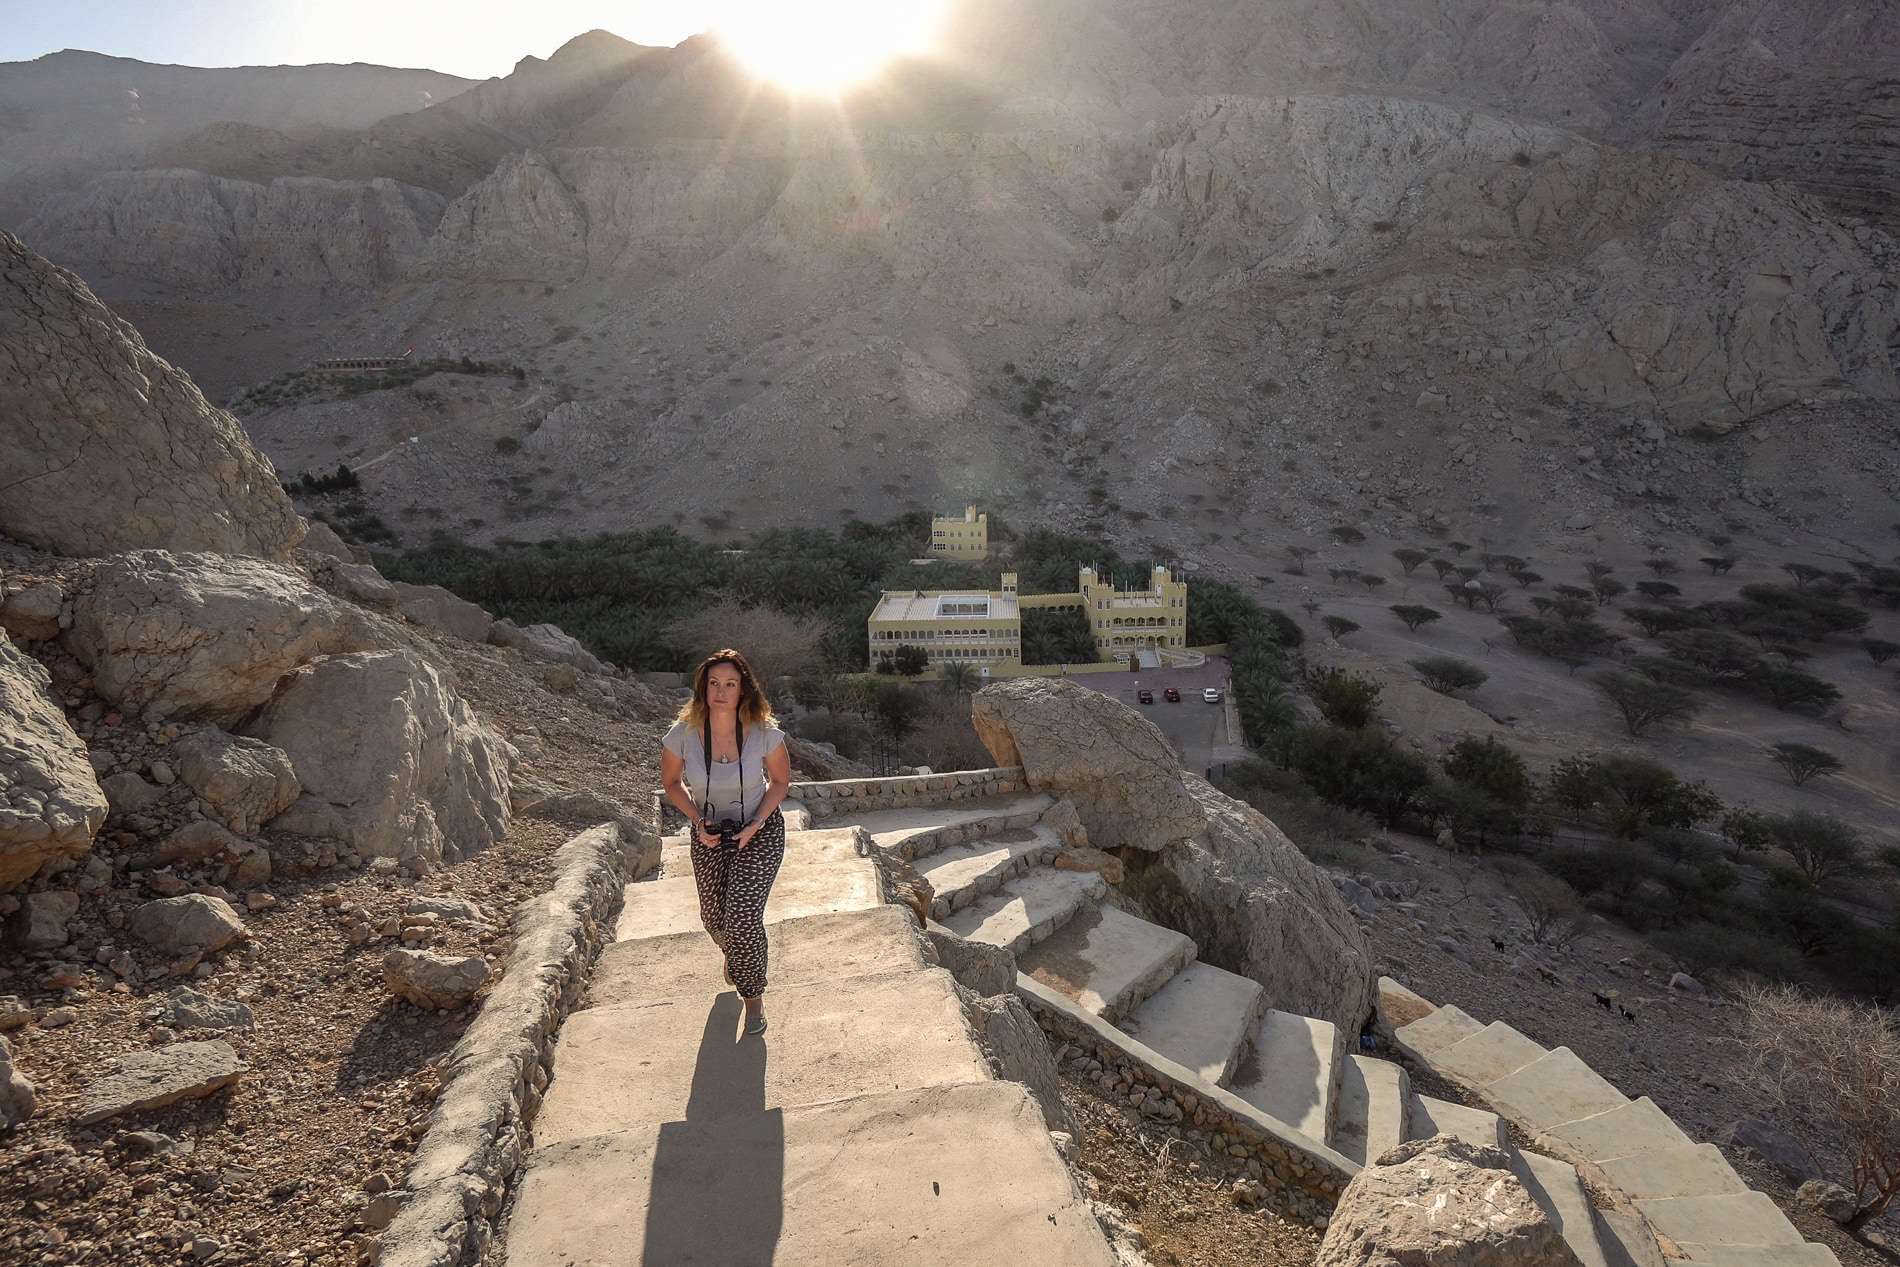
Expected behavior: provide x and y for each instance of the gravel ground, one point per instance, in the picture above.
(1174, 1192)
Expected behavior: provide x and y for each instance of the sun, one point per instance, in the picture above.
(817, 47)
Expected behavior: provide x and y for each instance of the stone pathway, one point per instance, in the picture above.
(865, 1127)
(1683, 1191)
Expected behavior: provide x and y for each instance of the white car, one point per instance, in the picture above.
(1211, 694)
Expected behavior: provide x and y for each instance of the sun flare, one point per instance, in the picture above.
(825, 46)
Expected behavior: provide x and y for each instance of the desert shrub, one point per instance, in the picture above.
(1550, 908)
(1787, 688)
(1670, 671)
(1718, 564)
(1804, 762)
(1706, 949)
(1815, 615)
(1444, 567)
(1723, 656)
(1658, 591)
(910, 661)
(1338, 627)
(1371, 580)
(1415, 615)
(1879, 650)
(1325, 832)
(1525, 577)
(1661, 620)
(1629, 795)
(1361, 769)
(1823, 847)
(1746, 830)
(507, 444)
(1409, 558)
(1344, 698)
(1348, 535)
(1448, 674)
(1839, 1060)
(1645, 703)
(1584, 868)
(778, 644)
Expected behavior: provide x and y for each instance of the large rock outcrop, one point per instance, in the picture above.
(1441, 1202)
(392, 760)
(1079, 743)
(1197, 861)
(203, 636)
(51, 804)
(108, 447)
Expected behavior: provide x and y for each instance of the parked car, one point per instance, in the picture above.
(1171, 695)
(1144, 697)
(1211, 694)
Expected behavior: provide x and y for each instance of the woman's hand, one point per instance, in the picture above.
(747, 833)
(710, 839)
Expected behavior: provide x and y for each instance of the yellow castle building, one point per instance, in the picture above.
(963, 537)
(986, 628)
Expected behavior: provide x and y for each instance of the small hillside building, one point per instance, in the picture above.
(965, 537)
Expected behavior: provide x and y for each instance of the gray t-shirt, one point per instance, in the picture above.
(690, 746)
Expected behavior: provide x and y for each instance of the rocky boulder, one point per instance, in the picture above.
(40, 923)
(193, 922)
(153, 1079)
(554, 645)
(1441, 1202)
(391, 759)
(361, 582)
(203, 636)
(434, 981)
(108, 447)
(197, 842)
(33, 613)
(17, 1097)
(246, 782)
(436, 608)
(1113, 763)
(321, 540)
(51, 804)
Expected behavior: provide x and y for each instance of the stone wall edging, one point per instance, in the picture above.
(497, 1072)
(1313, 1172)
(823, 800)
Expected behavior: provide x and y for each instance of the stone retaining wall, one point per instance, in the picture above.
(825, 800)
(495, 1076)
(1311, 1175)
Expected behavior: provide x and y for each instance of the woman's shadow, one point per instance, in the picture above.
(718, 1194)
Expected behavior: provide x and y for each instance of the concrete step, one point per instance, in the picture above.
(1628, 1241)
(1636, 1127)
(1741, 1218)
(1555, 1088)
(634, 1064)
(921, 831)
(1426, 1117)
(960, 874)
(939, 1177)
(1758, 1256)
(1107, 960)
(1289, 1074)
(1372, 1103)
(1436, 1031)
(802, 951)
(1200, 1019)
(1699, 1170)
(1494, 1052)
(1561, 1195)
(660, 908)
(1028, 909)
(823, 844)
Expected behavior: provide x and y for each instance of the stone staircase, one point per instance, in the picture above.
(866, 1127)
(1683, 1191)
(989, 858)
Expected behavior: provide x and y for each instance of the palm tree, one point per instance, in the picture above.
(959, 678)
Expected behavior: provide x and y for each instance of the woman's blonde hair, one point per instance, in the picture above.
(755, 712)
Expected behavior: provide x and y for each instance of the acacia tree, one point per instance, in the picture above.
(1338, 627)
(1839, 1060)
(1823, 847)
(1645, 703)
(1409, 558)
(1803, 762)
(1415, 615)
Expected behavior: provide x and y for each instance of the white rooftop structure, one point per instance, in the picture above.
(914, 605)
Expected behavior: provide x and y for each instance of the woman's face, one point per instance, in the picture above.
(722, 687)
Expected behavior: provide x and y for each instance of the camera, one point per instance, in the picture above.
(728, 832)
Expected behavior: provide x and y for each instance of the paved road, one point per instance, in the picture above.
(1204, 735)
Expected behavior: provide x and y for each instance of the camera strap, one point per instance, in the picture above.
(738, 725)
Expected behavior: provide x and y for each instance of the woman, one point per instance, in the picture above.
(725, 763)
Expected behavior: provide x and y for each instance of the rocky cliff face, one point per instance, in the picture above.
(108, 447)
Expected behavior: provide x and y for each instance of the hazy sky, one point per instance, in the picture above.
(475, 38)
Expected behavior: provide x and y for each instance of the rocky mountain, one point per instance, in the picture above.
(1311, 231)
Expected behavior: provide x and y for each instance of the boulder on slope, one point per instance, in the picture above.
(1113, 763)
(118, 449)
(1441, 1202)
(391, 758)
(203, 636)
(51, 804)
(246, 782)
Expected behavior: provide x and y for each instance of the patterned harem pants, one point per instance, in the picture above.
(733, 886)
